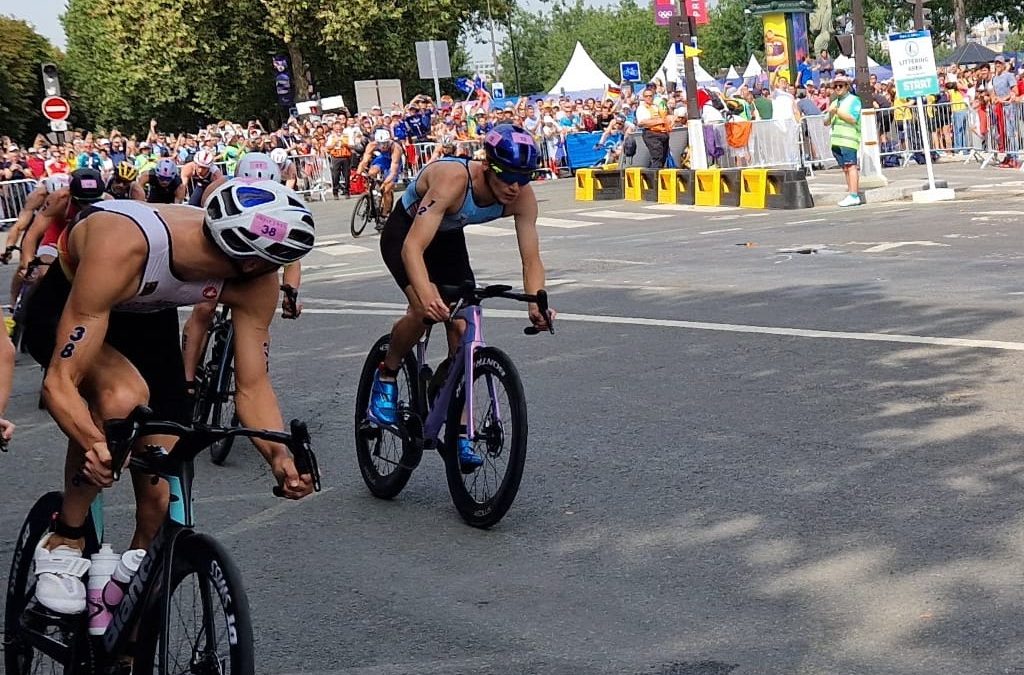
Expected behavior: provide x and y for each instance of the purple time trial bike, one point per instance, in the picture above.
(478, 388)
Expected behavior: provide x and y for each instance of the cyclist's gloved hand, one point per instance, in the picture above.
(291, 308)
(290, 484)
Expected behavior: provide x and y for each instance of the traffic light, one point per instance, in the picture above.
(51, 84)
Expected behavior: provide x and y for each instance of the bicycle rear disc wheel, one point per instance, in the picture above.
(223, 413)
(20, 657)
(205, 627)
(385, 458)
(361, 215)
(484, 496)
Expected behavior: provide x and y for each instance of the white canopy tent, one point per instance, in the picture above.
(754, 68)
(671, 69)
(848, 64)
(732, 74)
(581, 74)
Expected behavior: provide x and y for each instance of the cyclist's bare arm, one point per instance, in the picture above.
(180, 195)
(367, 157)
(56, 207)
(137, 193)
(34, 201)
(444, 190)
(6, 383)
(397, 157)
(253, 304)
(291, 277)
(111, 255)
(524, 210)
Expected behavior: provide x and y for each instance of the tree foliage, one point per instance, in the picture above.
(22, 50)
(193, 60)
(545, 40)
(730, 37)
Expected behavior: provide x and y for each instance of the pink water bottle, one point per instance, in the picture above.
(122, 575)
(104, 562)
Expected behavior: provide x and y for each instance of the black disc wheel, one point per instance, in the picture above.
(202, 626)
(483, 496)
(361, 214)
(386, 457)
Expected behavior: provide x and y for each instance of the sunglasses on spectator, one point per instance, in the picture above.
(513, 177)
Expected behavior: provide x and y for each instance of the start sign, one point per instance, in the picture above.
(913, 64)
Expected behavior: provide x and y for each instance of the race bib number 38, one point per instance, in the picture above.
(268, 227)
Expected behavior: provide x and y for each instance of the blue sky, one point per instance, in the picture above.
(43, 15)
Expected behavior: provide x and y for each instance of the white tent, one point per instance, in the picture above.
(732, 74)
(753, 68)
(848, 64)
(581, 74)
(671, 69)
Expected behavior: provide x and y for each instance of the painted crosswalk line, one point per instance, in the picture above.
(566, 223)
(625, 215)
(489, 231)
(343, 249)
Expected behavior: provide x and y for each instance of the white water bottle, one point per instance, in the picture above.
(104, 562)
(126, 568)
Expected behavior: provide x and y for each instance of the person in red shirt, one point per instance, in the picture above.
(35, 163)
(57, 164)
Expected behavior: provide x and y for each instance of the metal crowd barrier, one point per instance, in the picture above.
(771, 143)
(313, 175)
(13, 194)
(418, 155)
(954, 129)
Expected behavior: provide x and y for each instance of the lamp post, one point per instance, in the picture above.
(494, 48)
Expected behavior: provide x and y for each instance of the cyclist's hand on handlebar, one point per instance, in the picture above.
(98, 467)
(437, 309)
(290, 484)
(539, 321)
(6, 429)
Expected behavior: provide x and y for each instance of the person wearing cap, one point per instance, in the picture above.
(844, 118)
(1004, 90)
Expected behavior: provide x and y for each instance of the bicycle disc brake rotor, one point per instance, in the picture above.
(493, 434)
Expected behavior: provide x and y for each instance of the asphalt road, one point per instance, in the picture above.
(743, 458)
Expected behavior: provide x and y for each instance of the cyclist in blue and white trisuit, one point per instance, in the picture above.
(383, 157)
(423, 245)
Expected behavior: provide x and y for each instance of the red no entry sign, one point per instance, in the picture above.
(56, 108)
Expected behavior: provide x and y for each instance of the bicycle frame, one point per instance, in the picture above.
(461, 368)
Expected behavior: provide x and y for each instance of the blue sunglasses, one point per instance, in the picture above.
(511, 177)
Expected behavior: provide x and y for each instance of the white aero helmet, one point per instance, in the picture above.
(279, 155)
(381, 136)
(257, 166)
(259, 219)
(204, 158)
(56, 182)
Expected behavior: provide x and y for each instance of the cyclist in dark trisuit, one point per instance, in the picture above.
(423, 245)
(163, 184)
(122, 184)
(198, 174)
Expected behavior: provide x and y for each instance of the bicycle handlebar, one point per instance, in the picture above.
(122, 433)
(470, 294)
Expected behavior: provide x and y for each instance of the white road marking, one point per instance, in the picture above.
(616, 260)
(326, 242)
(267, 515)
(344, 249)
(564, 222)
(393, 309)
(488, 231)
(626, 215)
(1000, 213)
(805, 222)
(889, 245)
(690, 208)
(728, 229)
(329, 276)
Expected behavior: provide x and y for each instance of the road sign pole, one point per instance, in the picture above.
(433, 72)
(926, 142)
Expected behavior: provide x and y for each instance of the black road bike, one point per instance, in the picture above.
(368, 208)
(185, 611)
(215, 384)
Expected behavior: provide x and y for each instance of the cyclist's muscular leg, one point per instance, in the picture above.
(387, 198)
(113, 388)
(151, 499)
(406, 332)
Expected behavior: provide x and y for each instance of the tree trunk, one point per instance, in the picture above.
(301, 90)
(959, 23)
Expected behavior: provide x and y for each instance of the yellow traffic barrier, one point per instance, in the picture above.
(708, 184)
(754, 188)
(584, 185)
(667, 186)
(634, 184)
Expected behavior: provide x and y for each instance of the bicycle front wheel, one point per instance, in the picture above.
(202, 625)
(484, 496)
(385, 458)
(361, 214)
(21, 625)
